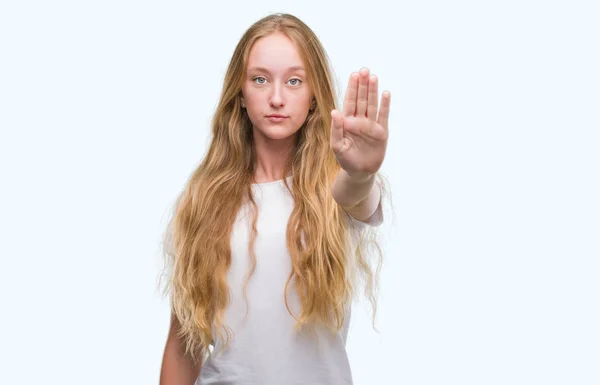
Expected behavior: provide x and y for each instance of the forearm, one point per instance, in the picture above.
(358, 195)
(349, 191)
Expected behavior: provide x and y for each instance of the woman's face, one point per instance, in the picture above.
(276, 84)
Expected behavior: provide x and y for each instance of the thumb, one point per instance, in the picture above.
(337, 131)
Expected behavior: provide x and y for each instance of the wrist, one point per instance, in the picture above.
(357, 177)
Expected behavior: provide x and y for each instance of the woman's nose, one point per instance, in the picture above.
(277, 99)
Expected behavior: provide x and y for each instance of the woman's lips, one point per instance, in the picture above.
(276, 118)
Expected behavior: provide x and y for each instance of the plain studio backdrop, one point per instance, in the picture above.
(491, 265)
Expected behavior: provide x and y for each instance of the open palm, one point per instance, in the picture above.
(359, 135)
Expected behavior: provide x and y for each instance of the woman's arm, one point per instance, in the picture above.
(177, 368)
(359, 196)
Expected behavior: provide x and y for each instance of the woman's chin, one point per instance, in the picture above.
(276, 134)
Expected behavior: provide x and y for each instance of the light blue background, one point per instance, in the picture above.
(492, 265)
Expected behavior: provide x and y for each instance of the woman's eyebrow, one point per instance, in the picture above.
(263, 69)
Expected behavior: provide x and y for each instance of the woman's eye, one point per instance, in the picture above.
(262, 80)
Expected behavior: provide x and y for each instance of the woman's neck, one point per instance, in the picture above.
(271, 158)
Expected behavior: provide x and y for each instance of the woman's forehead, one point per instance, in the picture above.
(274, 53)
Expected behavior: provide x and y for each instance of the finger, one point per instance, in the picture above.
(337, 131)
(372, 98)
(350, 99)
(363, 87)
(384, 110)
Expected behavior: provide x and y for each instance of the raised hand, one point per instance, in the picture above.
(359, 135)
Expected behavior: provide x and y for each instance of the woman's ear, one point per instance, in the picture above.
(242, 102)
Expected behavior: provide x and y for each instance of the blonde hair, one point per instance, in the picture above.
(197, 241)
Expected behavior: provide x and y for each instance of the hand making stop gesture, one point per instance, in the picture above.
(359, 135)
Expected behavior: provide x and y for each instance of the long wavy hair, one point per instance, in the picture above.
(326, 267)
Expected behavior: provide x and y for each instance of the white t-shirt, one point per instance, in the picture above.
(264, 350)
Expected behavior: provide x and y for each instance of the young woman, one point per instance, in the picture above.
(267, 241)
